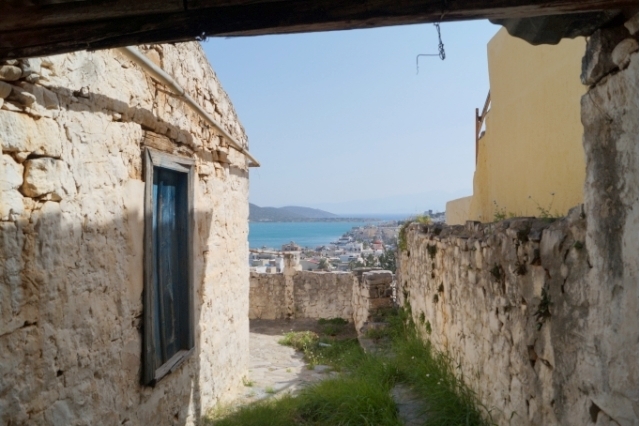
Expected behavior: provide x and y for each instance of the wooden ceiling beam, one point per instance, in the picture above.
(63, 27)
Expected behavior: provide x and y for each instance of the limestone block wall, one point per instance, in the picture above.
(323, 294)
(352, 296)
(503, 300)
(543, 318)
(312, 295)
(372, 293)
(267, 296)
(607, 367)
(72, 129)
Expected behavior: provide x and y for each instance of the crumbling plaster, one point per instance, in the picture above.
(72, 129)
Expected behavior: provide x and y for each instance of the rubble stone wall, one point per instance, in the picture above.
(72, 129)
(543, 317)
(315, 295)
(323, 294)
(267, 296)
(372, 293)
(607, 368)
(503, 300)
(355, 297)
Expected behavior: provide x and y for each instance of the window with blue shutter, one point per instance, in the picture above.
(168, 292)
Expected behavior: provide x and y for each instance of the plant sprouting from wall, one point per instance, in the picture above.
(424, 220)
(499, 213)
(545, 212)
(543, 312)
(402, 236)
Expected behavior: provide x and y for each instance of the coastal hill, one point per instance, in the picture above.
(288, 214)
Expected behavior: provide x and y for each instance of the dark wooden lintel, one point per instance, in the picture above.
(58, 28)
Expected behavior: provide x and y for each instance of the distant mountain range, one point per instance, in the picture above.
(409, 204)
(292, 214)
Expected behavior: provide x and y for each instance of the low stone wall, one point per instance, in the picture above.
(267, 296)
(372, 293)
(506, 301)
(355, 297)
(323, 294)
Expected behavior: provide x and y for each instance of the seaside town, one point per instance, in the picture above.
(370, 245)
(140, 286)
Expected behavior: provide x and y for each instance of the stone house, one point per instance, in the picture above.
(124, 282)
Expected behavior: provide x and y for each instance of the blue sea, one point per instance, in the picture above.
(305, 234)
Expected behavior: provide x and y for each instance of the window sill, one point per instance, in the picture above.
(172, 365)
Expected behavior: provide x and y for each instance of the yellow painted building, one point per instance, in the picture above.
(530, 161)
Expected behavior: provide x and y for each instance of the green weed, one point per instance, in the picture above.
(545, 212)
(361, 394)
(334, 321)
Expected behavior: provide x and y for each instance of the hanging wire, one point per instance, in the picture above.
(441, 53)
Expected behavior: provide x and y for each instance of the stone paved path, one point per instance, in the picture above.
(275, 368)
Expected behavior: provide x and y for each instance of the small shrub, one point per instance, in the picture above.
(499, 213)
(544, 213)
(299, 340)
(402, 236)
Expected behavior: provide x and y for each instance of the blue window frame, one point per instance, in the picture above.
(168, 292)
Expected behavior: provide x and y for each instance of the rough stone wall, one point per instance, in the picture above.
(371, 293)
(503, 300)
(267, 296)
(313, 295)
(351, 296)
(543, 318)
(72, 129)
(323, 294)
(607, 368)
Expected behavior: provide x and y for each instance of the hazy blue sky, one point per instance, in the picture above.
(340, 117)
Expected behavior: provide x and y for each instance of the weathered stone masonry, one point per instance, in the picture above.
(72, 129)
(356, 297)
(543, 318)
